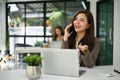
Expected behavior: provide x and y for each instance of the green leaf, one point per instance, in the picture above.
(33, 60)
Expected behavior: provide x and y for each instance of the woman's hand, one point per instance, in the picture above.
(83, 48)
(67, 34)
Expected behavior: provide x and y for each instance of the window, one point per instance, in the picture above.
(105, 31)
(32, 23)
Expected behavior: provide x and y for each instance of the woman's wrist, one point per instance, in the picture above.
(84, 52)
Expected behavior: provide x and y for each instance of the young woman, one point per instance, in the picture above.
(80, 34)
(58, 34)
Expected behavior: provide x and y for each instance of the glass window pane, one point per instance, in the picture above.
(27, 20)
(35, 41)
(34, 30)
(55, 16)
(16, 19)
(105, 32)
(34, 19)
(71, 9)
(15, 42)
(19, 40)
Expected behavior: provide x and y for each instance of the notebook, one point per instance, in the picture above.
(60, 62)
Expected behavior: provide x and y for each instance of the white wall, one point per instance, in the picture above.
(116, 49)
(2, 25)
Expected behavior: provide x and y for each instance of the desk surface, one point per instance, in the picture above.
(90, 74)
(28, 49)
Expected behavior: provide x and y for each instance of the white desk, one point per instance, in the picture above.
(25, 50)
(90, 74)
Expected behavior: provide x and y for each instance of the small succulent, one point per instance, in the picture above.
(33, 60)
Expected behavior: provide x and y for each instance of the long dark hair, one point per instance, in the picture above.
(55, 35)
(88, 39)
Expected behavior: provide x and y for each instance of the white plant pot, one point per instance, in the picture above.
(33, 72)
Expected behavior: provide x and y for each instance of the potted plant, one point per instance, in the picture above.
(33, 69)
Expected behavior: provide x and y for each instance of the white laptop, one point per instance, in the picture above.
(60, 62)
(56, 44)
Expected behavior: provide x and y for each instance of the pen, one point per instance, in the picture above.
(116, 71)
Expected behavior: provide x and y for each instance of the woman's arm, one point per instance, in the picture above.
(64, 45)
(89, 58)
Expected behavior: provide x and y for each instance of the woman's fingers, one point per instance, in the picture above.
(67, 34)
(83, 47)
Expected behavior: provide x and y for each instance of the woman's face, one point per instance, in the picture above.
(81, 23)
(58, 32)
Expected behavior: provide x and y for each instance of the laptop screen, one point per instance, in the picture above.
(60, 62)
(55, 44)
